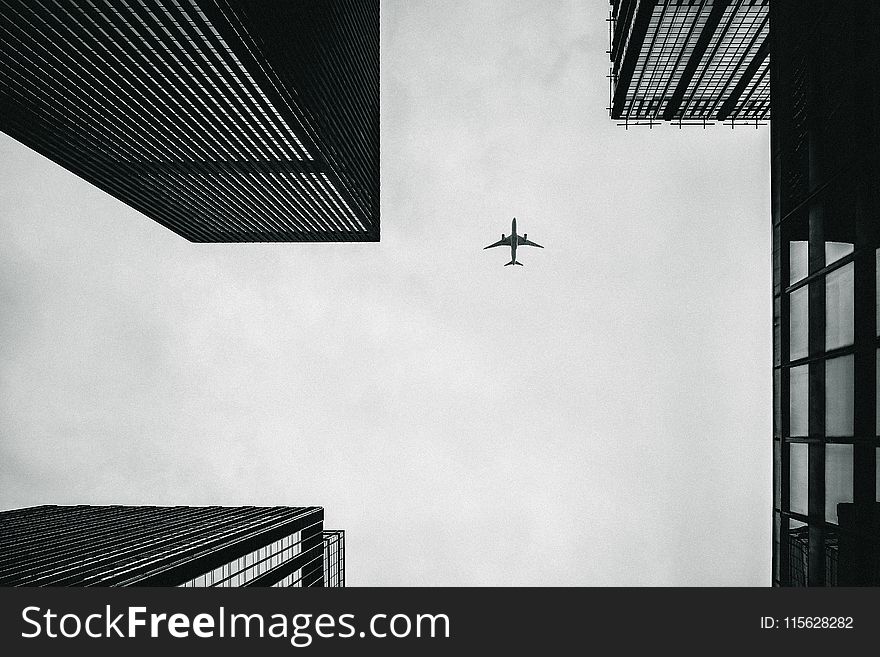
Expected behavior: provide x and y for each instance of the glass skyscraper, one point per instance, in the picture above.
(689, 60)
(168, 546)
(223, 120)
(825, 216)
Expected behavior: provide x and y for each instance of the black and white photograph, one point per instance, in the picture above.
(425, 295)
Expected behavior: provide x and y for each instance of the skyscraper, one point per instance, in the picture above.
(165, 546)
(825, 215)
(689, 60)
(223, 120)
(820, 60)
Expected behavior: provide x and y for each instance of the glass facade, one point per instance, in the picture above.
(334, 558)
(294, 579)
(162, 546)
(679, 60)
(332, 566)
(275, 557)
(825, 215)
(232, 121)
(249, 567)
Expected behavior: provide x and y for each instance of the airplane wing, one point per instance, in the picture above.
(522, 241)
(501, 242)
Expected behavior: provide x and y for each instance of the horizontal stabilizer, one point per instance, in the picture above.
(512, 262)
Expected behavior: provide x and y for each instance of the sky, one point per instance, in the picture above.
(600, 416)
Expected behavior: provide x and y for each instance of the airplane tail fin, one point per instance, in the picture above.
(514, 262)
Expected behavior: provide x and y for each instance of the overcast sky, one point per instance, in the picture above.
(600, 416)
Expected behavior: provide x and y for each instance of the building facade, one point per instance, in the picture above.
(689, 60)
(166, 546)
(819, 61)
(334, 558)
(223, 120)
(825, 209)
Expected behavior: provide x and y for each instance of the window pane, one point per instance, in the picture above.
(838, 478)
(797, 471)
(839, 308)
(777, 331)
(799, 549)
(839, 396)
(834, 251)
(777, 411)
(799, 386)
(798, 310)
(777, 475)
(776, 529)
(798, 261)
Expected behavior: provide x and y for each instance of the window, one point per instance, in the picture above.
(839, 396)
(838, 478)
(799, 386)
(798, 261)
(838, 308)
(777, 474)
(798, 468)
(798, 334)
(834, 251)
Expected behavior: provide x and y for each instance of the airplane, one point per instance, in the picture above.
(513, 241)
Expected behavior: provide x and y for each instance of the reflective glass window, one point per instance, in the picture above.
(838, 478)
(777, 411)
(834, 251)
(797, 472)
(798, 334)
(839, 396)
(799, 386)
(839, 307)
(777, 474)
(798, 261)
(777, 526)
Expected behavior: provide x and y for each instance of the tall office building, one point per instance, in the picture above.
(689, 60)
(223, 120)
(165, 546)
(820, 59)
(825, 167)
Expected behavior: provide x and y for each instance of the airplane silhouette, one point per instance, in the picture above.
(513, 241)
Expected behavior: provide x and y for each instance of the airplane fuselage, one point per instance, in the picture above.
(513, 241)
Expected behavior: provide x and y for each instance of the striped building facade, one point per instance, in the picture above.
(167, 546)
(223, 120)
(334, 558)
(690, 60)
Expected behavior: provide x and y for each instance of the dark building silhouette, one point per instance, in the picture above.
(223, 120)
(826, 100)
(167, 546)
(689, 60)
(822, 59)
